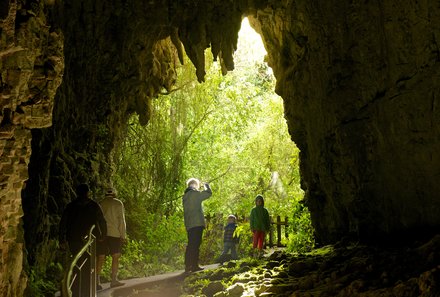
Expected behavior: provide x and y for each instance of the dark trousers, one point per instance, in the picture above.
(193, 248)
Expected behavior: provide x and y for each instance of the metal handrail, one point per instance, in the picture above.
(90, 248)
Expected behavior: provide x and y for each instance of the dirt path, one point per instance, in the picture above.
(164, 290)
(168, 288)
(165, 285)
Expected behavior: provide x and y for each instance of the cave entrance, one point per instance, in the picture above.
(229, 131)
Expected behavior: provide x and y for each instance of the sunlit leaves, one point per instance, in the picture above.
(229, 131)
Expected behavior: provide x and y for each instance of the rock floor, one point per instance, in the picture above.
(328, 271)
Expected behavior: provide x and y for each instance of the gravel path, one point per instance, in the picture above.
(165, 285)
(167, 289)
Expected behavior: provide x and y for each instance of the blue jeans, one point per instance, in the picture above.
(229, 246)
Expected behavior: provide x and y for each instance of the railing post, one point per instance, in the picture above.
(87, 256)
(278, 231)
(93, 267)
(286, 231)
(271, 233)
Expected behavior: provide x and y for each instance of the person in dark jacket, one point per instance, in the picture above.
(230, 240)
(260, 224)
(77, 219)
(194, 221)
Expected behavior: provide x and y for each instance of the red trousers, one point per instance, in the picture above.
(258, 239)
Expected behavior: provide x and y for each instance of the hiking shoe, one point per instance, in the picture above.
(116, 284)
(197, 268)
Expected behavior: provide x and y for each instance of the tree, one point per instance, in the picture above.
(229, 131)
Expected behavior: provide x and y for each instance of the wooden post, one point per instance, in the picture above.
(286, 231)
(271, 233)
(278, 231)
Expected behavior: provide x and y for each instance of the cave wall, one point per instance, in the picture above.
(31, 67)
(113, 65)
(359, 81)
(117, 57)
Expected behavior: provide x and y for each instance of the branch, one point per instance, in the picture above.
(220, 175)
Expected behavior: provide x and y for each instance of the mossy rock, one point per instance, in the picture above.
(231, 264)
(267, 274)
(281, 289)
(236, 290)
(218, 275)
(277, 280)
(272, 264)
(212, 288)
(283, 274)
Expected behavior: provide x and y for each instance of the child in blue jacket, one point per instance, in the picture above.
(230, 240)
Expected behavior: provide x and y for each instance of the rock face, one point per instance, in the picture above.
(360, 81)
(31, 67)
(360, 84)
(331, 271)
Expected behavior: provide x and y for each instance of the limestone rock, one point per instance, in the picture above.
(360, 83)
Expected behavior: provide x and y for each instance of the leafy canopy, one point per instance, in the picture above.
(229, 131)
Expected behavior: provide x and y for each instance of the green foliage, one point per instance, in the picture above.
(244, 248)
(155, 253)
(44, 283)
(242, 146)
(301, 231)
(229, 131)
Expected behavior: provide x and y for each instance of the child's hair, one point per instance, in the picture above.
(193, 182)
(231, 216)
(259, 197)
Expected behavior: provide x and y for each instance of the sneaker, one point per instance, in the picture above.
(197, 268)
(98, 287)
(116, 284)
